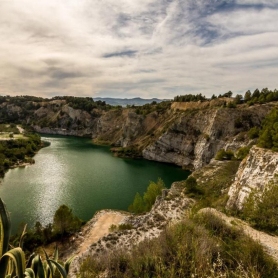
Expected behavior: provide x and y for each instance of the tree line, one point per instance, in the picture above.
(19, 150)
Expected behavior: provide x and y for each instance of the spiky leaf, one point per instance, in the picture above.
(37, 266)
(22, 236)
(68, 263)
(29, 273)
(5, 228)
(17, 257)
(60, 268)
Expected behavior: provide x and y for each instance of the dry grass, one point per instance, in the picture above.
(203, 246)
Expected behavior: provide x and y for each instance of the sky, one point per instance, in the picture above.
(131, 48)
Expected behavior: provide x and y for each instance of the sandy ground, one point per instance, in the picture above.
(100, 229)
(95, 229)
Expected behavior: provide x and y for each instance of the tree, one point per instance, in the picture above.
(238, 99)
(65, 222)
(138, 205)
(153, 190)
(228, 94)
(256, 93)
(144, 204)
(247, 96)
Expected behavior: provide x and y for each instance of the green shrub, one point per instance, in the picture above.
(121, 227)
(192, 186)
(224, 155)
(64, 222)
(144, 204)
(261, 208)
(254, 132)
(269, 134)
(242, 152)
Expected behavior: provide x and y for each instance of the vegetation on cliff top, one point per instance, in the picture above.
(203, 246)
(268, 137)
(64, 224)
(260, 208)
(14, 152)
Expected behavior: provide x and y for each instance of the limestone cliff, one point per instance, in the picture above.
(254, 172)
(187, 135)
(194, 138)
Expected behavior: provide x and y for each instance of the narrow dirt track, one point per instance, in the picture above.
(269, 242)
(100, 229)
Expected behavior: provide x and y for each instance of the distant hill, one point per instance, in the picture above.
(128, 101)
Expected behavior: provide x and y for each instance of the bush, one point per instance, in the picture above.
(224, 155)
(242, 152)
(65, 222)
(254, 132)
(261, 208)
(269, 134)
(192, 186)
(144, 204)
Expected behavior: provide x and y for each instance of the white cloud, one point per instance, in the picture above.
(128, 48)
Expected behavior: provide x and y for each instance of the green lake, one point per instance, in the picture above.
(81, 175)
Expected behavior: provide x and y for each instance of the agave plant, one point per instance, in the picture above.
(13, 262)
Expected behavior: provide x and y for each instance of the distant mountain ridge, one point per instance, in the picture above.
(128, 101)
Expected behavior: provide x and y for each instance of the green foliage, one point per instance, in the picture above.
(254, 132)
(263, 96)
(269, 134)
(203, 246)
(138, 204)
(13, 263)
(143, 204)
(9, 128)
(121, 227)
(242, 152)
(224, 155)
(214, 190)
(152, 107)
(64, 222)
(84, 103)
(153, 190)
(247, 96)
(20, 150)
(192, 186)
(131, 152)
(261, 208)
(238, 99)
(35, 237)
(231, 104)
(189, 97)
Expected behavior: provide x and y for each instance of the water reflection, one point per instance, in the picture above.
(85, 177)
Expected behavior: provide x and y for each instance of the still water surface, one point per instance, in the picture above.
(83, 176)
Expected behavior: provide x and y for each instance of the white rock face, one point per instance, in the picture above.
(255, 171)
(196, 136)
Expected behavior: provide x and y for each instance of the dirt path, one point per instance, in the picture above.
(97, 229)
(269, 243)
(21, 130)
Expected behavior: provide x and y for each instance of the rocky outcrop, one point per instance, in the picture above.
(170, 207)
(254, 172)
(196, 135)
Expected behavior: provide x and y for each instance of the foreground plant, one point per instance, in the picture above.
(13, 261)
